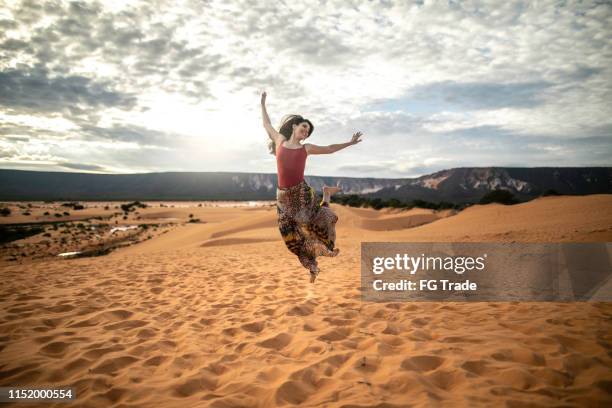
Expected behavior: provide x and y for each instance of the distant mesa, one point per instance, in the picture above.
(458, 185)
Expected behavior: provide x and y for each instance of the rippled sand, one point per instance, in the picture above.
(221, 314)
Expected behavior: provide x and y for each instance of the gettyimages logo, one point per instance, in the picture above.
(486, 271)
(412, 264)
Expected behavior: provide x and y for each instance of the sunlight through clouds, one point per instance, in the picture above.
(175, 86)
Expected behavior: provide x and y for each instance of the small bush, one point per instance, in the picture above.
(498, 196)
(5, 211)
(550, 192)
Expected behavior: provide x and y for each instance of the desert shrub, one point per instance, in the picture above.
(550, 192)
(498, 196)
(5, 211)
(354, 200)
(12, 233)
(132, 206)
(375, 203)
(394, 203)
(73, 205)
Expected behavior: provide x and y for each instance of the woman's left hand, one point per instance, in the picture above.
(356, 137)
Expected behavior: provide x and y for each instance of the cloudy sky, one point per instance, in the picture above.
(126, 87)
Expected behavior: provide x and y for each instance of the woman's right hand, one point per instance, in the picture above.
(263, 98)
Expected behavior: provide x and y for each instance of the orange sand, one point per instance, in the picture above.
(220, 314)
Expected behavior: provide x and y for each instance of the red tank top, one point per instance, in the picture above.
(290, 164)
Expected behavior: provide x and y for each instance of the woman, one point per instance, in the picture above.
(307, 226)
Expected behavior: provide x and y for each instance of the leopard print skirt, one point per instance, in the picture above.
(307, 226)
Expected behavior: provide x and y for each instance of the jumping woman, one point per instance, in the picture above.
(307, 226)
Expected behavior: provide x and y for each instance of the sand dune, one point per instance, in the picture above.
(402, 220)
(220, 314)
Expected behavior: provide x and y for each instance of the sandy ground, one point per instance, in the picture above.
(219, 313)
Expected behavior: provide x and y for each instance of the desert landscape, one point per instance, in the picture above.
(201, 304)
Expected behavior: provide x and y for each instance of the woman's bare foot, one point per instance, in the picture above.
(328, 191)
(331, 190)
(313, 275)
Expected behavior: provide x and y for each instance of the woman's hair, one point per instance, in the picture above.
(286, 129)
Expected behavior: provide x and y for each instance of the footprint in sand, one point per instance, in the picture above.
(96, 353)
(278, 342)
(155, 361)
(476, 367)
(422, 363)
(254, 327)
(55, 349)
(337, 334)
(60, 308)
(130, 324)
(113, 365)
(194, 385)
(301, 310)
(523, 356)
(292, 392)
(447, 380)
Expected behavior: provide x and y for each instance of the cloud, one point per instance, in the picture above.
(131, 134)
(35, 90)
(452, 95)
(139, 86)
(82, 166)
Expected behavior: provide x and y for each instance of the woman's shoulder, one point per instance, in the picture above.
(293, 148)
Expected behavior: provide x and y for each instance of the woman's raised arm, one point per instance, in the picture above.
(272, 133)
(314, 149)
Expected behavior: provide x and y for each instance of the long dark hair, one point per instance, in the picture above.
(286, 129)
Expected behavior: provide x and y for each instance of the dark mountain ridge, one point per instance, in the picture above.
(457, 185)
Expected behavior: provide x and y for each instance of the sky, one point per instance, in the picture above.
(154, 86)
